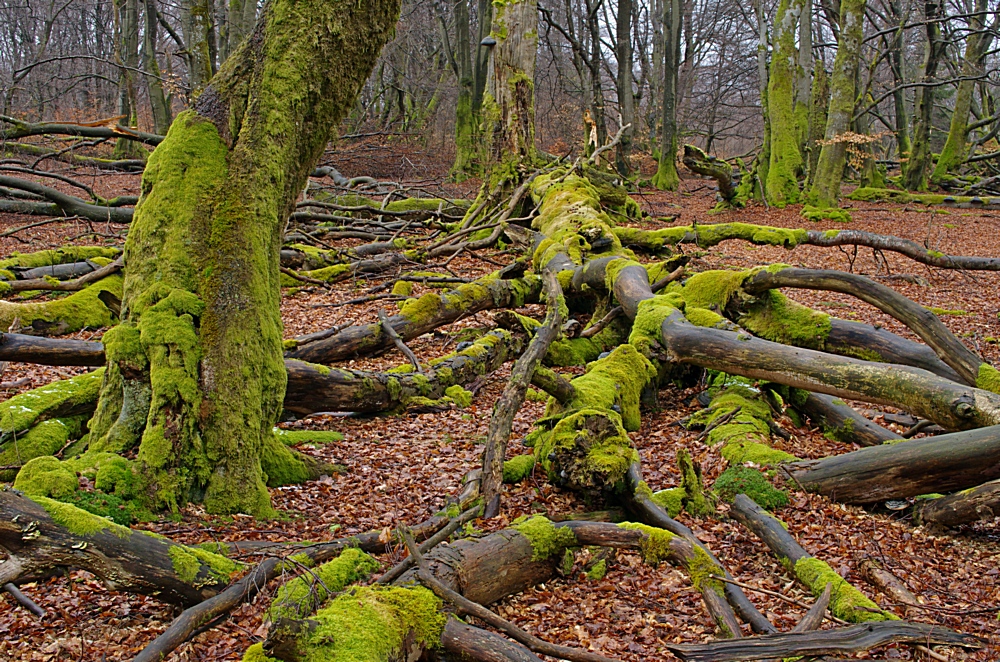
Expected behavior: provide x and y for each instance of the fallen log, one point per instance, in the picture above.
(68, 205)
(979, 503)
(701, 163)
(845, 640)
(944, 463)
(839, 420)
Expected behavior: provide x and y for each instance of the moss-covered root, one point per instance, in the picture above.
(65, 314)
(696, 501)
(739, 420)
(45, 438)
(518, 468)
(584, 444)
(368, 624)
(68, 397)
(51, 533)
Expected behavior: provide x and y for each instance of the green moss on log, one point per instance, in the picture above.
(547, 541)
(518, 468)
(301, 596)
(66, 314)
(751, 482)
(988, 378)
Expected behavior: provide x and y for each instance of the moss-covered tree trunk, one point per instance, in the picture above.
(785, 157)
(471, 74)
(195, 375)
(666, 178)
(510, 105)
(919, 162)
(623, 83)
(159, 101)
(976, 45)
(833, 156)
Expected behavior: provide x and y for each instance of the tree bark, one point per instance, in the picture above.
(623, 83)
(666, 177)
(786, 155)
(511, 83)
(919, 162)
(201, 331)
(825, 190)
(979, 503)
(159, 101)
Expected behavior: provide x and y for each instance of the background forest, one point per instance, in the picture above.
(504, 330)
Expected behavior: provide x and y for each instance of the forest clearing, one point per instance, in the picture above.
(292, 368)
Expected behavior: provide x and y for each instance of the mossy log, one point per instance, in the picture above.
(50, 351)
(85, 308)
(701, 163)
(918, 319)
(951, 405)
(418, 316)
(16, 128)
(944, 463)
(40, 534)
(846, 640)
(67, 205)
(840, 421)
(846, 601)
(710, 235)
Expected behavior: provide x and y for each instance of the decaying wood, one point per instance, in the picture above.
(889, 584)
(944, 463)
(979, 503)
(825, 642)
(502, 418)
(701, 163)
(816, 614)
(841, 421)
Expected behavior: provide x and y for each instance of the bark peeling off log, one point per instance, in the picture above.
(944, 463)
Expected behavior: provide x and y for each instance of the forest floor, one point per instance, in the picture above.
(400, 468)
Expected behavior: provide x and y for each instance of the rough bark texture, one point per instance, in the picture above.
(188, 381)
(510, 107)
(786, 157)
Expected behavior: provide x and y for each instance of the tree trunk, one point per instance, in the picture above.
(833, 155)
(466, 122)
(195, 376)
(786, 157)
(666, 177)
(902, 115)
(623, 83)
(196, 26)
(159, 101)
(978, 42)
(919, 162)
(510, 107)
(127, 53)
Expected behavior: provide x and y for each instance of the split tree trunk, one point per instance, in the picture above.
(195, 377)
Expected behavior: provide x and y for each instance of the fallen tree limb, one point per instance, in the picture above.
(851, 639)
(944, 463)
(839, 420)
(701, 163)
(21, 129)
(918, 319)
(67, 204)
(706, 236)
(502, 417)
(74, 285)
(979, 503)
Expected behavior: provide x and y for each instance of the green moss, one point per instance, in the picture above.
(701, 567)
(256, 654)
(46, 477)
(534, 395)
(54, 256)
(546, 540)
(695, 500)
(946, 311)
(459, 395)
(743, 437)
(77, 521)
(712, 289)
(597, 571)
(775, 317)
(616, 380)
(703, 317)
(66, 314)
(45, 438)
(518, 468)
(374, 624)
(656, 543)
(671, 500)
(301, 596)
(738, 479)
(814, 214)
(403, 288)
(190, 563)
(50, 401)
(296, 437)
(988, 378)
(846, 601)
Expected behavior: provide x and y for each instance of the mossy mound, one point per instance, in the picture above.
(301, 596)
(547, 541)
(815, 214)
(518, 468)
(67, 313)
(746, 480)
(54, 400)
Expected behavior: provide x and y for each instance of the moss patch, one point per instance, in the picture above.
(374, 624)
(546, 540)
(656, 543)
(988, 378)
(745, 480)
(69, 313)
(518, 468)
(295, 437)
(815, 214)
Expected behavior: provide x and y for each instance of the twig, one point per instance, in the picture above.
(68, 285)
(614, 141)
(397, 341)
(25, 601)
(429, 544)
